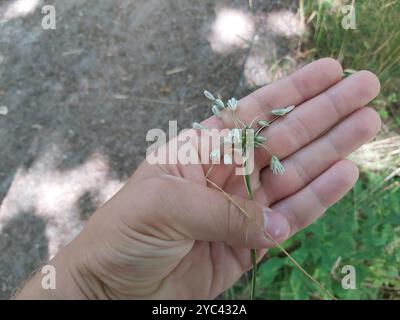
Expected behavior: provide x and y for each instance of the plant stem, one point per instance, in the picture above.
(253, 251)
(253, 274)
(320, 286)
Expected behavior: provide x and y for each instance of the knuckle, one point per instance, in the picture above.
(299, 130)
(235, 220)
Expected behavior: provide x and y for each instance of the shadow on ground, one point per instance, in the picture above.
(81, 99)
(24, 243)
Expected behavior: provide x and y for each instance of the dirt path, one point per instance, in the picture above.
(81, 99)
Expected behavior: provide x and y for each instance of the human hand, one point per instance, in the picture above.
(169, 234)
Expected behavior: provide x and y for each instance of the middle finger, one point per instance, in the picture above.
(314, 117)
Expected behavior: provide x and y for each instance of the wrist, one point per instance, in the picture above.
(62, 278)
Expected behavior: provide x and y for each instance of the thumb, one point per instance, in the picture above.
(203, 213)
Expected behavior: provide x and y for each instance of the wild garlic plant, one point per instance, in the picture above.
(240, 141)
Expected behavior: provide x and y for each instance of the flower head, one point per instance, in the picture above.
(232, 104)
(199, 126)
(259, 139)
(263, 123)
(215, 111)
(276, 166)
(282, 111)
(215, 154)
(219, 103)
(209, 95)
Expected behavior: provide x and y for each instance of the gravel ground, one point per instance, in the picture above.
(78, 101)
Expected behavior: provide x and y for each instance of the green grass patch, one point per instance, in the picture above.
(373, 45)
(362, 230)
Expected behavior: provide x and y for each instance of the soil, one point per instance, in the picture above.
(78, 101)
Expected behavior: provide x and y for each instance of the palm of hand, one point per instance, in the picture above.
(191, 252)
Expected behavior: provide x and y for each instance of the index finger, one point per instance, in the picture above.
(294, 89)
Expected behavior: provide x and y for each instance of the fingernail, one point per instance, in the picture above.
(275, 224)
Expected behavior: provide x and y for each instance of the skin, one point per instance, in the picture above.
(169, 234)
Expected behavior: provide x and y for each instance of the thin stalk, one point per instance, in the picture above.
(253, 251)
(265, 148)
(301, 11)
(293, 260)
(253, 274)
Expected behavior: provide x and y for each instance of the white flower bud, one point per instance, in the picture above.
(263, 123)
(209, 95)
(232, 104)
(215, 154)
(215, 111)
(219, 103)
(282, 111)
(276, 166)
(260, 139)
(199, 126)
